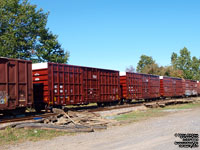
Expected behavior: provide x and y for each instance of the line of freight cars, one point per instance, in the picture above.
(43, 85)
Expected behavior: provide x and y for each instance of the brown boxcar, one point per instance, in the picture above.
(177, 82)
(198, 87)
(171, 87)
(16, 88)
(190, 87)
(139, 86)
(62, 84)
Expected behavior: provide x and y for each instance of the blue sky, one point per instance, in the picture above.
(113, 34)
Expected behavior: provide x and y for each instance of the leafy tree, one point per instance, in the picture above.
(195, 68)
(151, 69)
(23, 33)
(163, 71)
(130, 69)
(189, 67)
(174, 59)
(182, 66)
(145, 61)
(171, 72)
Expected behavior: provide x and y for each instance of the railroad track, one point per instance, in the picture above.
(87, 108)
(107, 108)
(26, 118)
(137, 103)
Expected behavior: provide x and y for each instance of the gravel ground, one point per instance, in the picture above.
(152, 134)
(121, 110)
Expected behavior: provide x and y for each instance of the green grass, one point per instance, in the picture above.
(13, 136)
(79, 106)
(183, 106)
(139, 115)
(155, 112)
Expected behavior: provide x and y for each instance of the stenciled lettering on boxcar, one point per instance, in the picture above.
(3, 97)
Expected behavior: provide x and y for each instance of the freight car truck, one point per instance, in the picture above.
(16, 88)
(57, 85)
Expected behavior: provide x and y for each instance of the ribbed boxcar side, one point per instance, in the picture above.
(109, 86)
(140, 86)
(16, 88)
(61, 85)
(91, 90)
(66, 84)
(171, 87)
(131, 86)
(194, 87)
(189, 87)
(166, 86)
(74, 85)
(198, 87)
(178, 87)
(153, 89)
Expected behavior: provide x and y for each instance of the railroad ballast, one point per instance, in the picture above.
(57, 85)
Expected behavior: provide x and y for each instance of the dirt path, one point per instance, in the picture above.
(152, 134)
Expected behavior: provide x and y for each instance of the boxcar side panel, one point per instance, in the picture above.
(109, 86)
(189, 87)
(154, 86)
(16, 89)
(171, 87)
(91, 87)
(73, 85)
(178, 92)
(166, 87)
(198, 87)
(140, 86)
(134, 82)
(66, 84)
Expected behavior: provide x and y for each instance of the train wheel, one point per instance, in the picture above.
(99, 104)
(17, 111)
(115, 103)
(128, 101)
(38, 109)
(122, 102)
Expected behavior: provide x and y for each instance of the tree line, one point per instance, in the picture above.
(182, 66)
(24, 35)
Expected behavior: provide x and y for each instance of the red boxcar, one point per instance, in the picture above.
(62, 84)
(171, 87)
(198, 87)
(139, 86)
(190, 87)
(16, 88)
